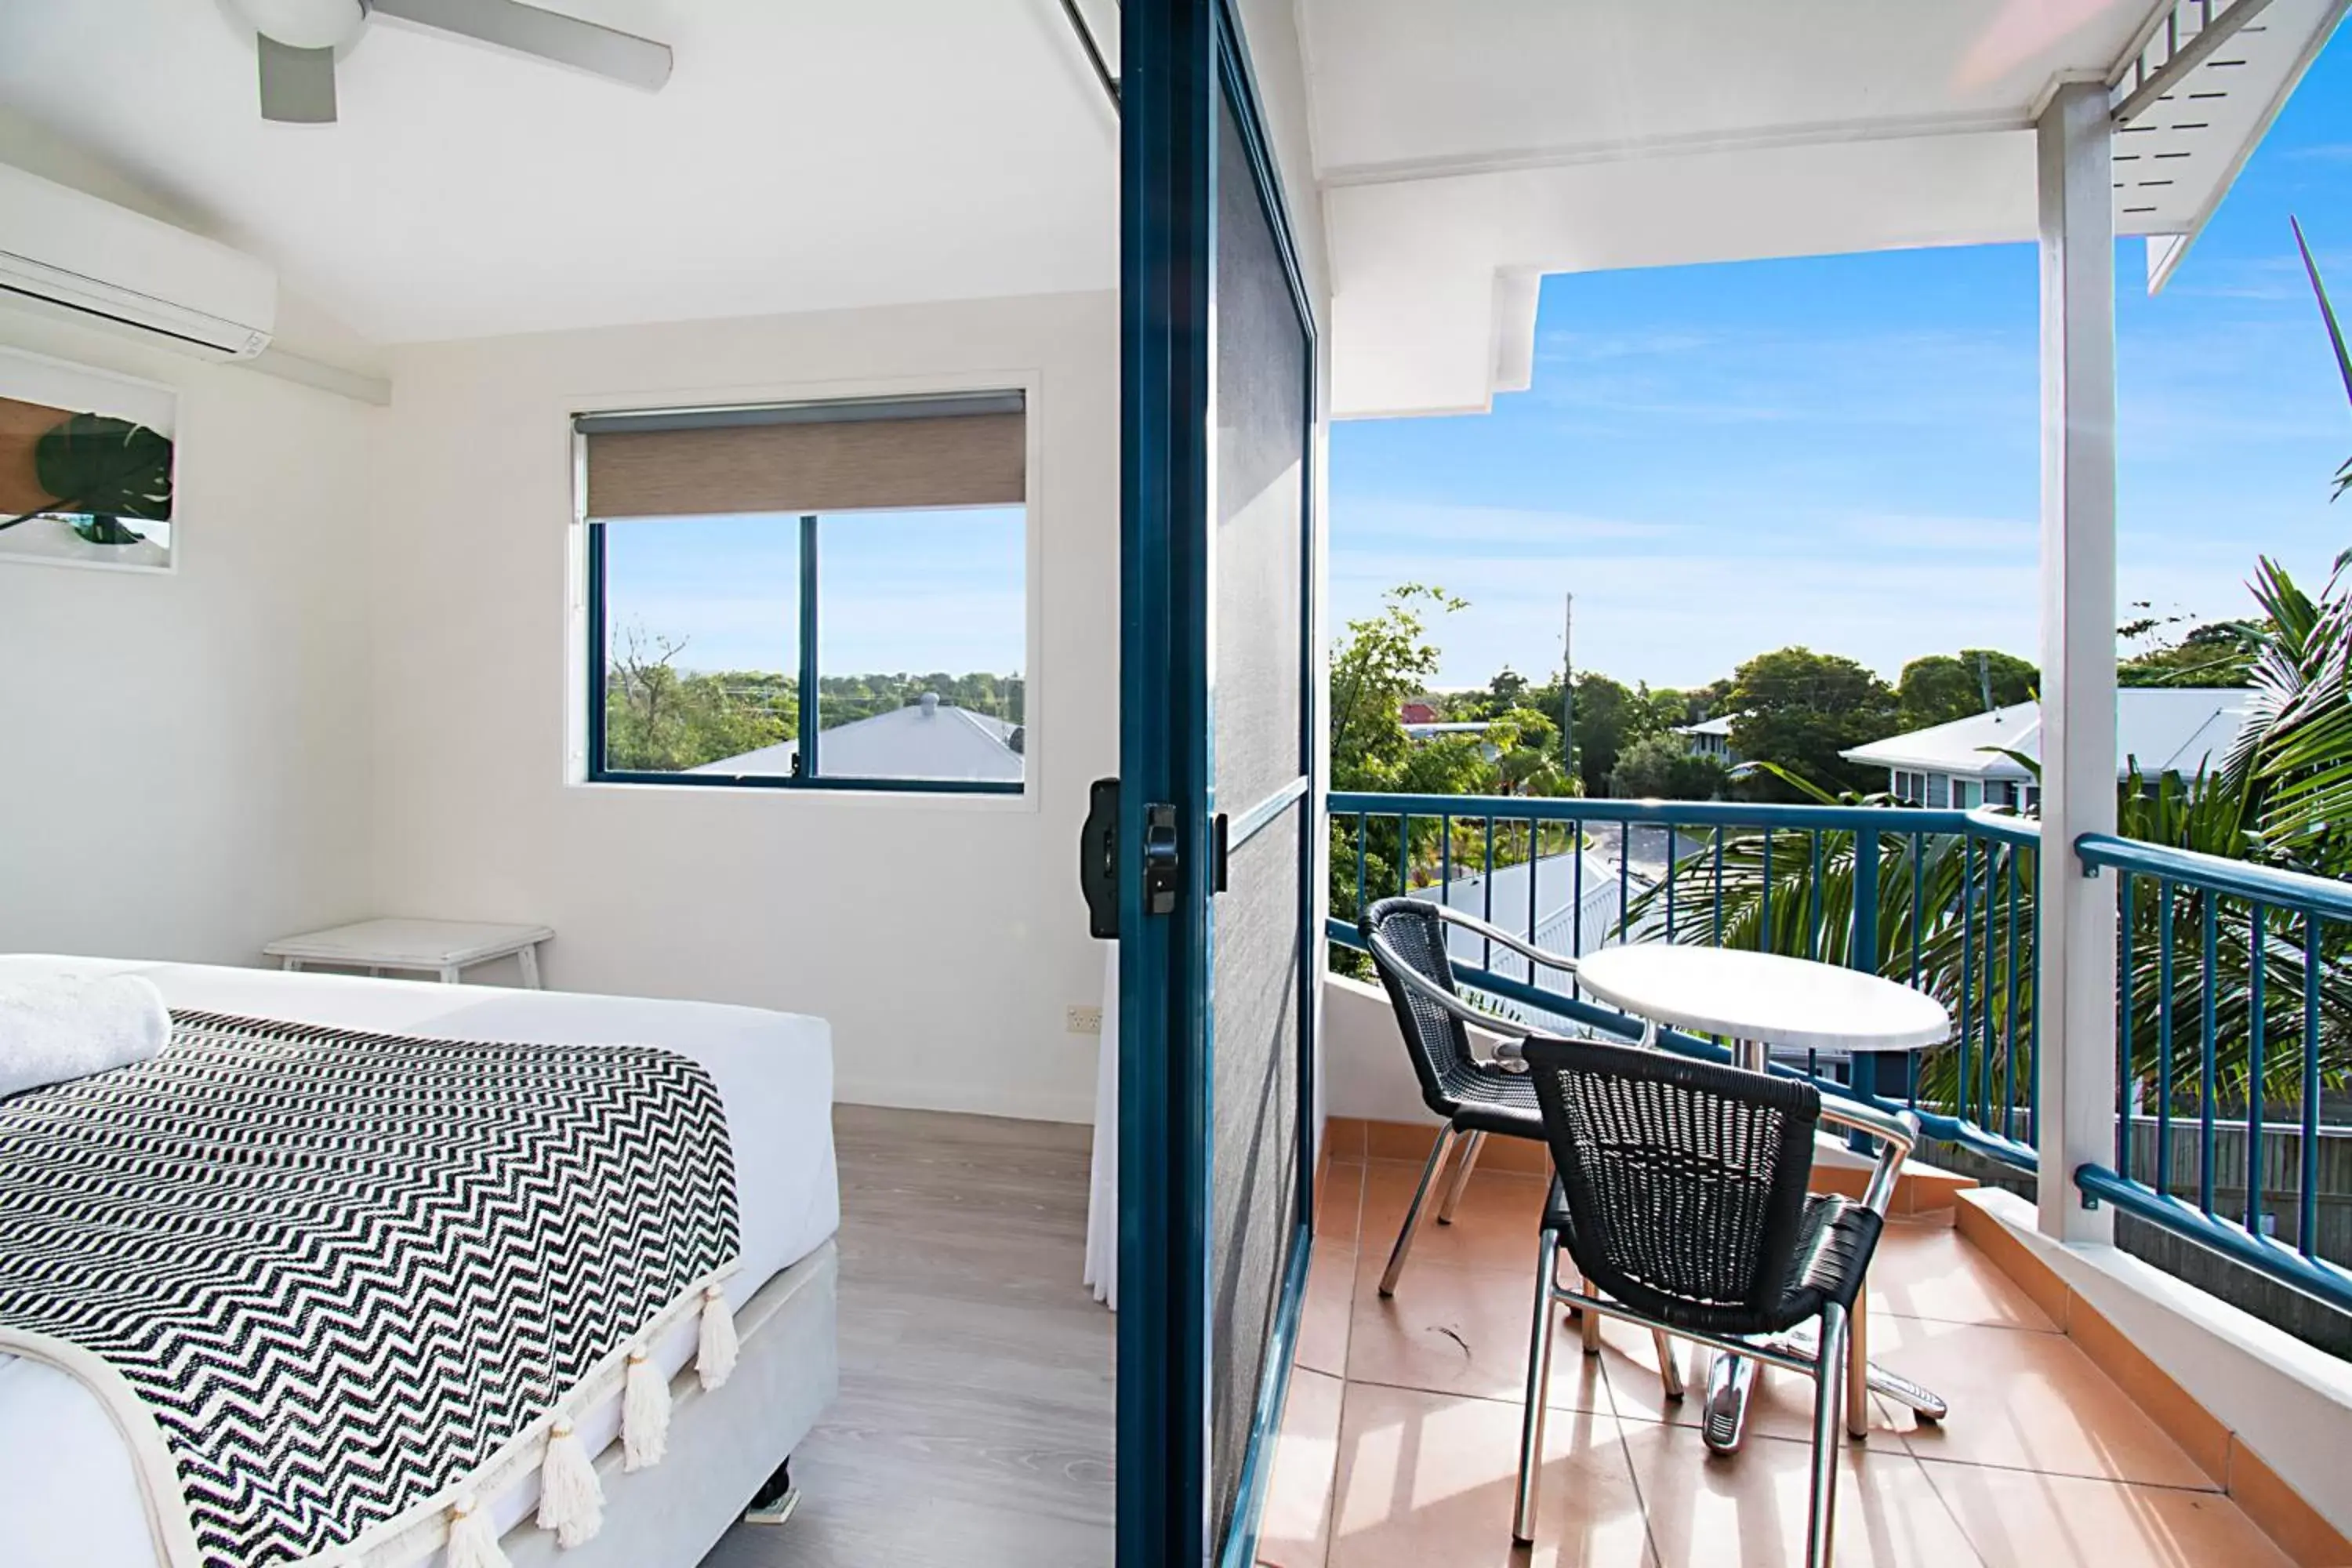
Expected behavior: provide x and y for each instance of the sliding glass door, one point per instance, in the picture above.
(1216, 829)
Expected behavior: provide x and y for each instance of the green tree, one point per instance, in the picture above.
(2219, 653)
(1610, 716)
(1938, 688)
(658, 719)
(1797, 709)
(1664, 767)
(1378, 666)
(1527, 759)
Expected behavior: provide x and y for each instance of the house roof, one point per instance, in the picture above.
(1718, 725)
(920, 741)
(2163, 728)
(1577, 900)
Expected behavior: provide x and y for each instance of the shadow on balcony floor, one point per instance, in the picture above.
(1400, 1438)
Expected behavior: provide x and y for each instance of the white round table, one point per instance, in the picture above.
(1762, 1000)
(1759, 1000)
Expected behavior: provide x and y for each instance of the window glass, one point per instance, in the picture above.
(922, 638)
(701, 645)
(810, 594)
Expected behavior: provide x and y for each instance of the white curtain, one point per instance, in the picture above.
(1102, 1192)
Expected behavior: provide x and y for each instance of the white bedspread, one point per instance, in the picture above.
(68, 1496)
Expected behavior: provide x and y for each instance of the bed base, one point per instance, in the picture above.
(723, 1447)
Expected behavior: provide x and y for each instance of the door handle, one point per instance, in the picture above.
(1099, 860)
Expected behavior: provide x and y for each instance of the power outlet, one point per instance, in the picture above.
(1081, 1019)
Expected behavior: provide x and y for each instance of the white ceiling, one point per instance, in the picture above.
(1468, 147)
(804, 156)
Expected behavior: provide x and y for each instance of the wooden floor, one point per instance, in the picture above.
(974, 1427)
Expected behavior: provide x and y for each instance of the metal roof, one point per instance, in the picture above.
(2162, 729)
(927, 739)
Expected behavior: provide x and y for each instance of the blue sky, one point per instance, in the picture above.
(898, 592)
(1844, 451)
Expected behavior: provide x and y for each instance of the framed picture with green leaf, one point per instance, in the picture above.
(85, 466)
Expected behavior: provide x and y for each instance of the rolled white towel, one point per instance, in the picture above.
(54, 1030)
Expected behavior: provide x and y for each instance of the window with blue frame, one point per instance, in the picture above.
(810, 595)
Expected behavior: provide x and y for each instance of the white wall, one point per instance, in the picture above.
(183, 753)
(943, 938)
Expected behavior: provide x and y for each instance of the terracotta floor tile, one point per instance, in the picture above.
(2016, 1519)
(1932, 1271)
(1294, 1530)
(1325, 1314)
(2026, 1401)
(1465, 1332)
(1339, 1202)
(1495, 1228)
(1750, 1508)
(1427, 1482)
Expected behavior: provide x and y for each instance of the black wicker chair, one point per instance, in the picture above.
(1476, 1095)
(1681, 1201)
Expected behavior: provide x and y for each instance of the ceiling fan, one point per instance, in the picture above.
(297, 40)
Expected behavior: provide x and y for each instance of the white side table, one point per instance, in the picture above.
(445, 947)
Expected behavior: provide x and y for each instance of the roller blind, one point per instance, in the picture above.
(962, 450)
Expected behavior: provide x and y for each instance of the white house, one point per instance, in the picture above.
(1709, 737)
(1969, 762)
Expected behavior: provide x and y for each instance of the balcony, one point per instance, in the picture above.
(2105, 1408)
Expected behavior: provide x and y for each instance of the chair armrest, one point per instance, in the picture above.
(1429, 990)
(1495, 933)
(1898, 1133)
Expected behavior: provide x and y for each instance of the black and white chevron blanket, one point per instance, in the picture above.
(324, 1278)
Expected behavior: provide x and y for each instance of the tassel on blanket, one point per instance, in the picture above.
(472, 1543)
(714, 1355)
(571, 1500)
(644, 1413)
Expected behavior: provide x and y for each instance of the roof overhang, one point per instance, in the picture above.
(1465, 151)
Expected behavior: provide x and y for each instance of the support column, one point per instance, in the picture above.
(2076, 983)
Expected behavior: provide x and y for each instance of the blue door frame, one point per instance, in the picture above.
(1183, 60)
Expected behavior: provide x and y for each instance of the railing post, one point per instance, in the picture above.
(2076, 983)
(1862, 953)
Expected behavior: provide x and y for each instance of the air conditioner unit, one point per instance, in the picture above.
(62, 251)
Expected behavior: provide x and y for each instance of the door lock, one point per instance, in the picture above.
(1163, 859)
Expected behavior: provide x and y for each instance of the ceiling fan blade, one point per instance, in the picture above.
(604, 51)
(298, 85)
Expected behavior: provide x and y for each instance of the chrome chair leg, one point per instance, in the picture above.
(1670, 1371)
(1437, 1153)
(1531, 1420)
(1857, 1372)
(1829, 1408)
(1463, 1166)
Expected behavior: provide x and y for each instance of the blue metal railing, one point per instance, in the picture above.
(2236, 979)
(2234, 990)
(1940, 899)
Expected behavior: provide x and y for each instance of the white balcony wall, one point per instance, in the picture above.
(186, 752)
(942, 937)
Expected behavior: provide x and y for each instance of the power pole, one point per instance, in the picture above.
(1568, 685)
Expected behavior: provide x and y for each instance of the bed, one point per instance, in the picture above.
(69, 1497)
